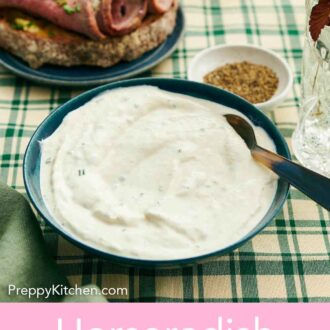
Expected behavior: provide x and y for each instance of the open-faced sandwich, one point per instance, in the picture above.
(84, 32)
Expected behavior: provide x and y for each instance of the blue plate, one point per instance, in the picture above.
(83, 76)
(31, 165)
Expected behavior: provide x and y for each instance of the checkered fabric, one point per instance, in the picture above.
(288, 261)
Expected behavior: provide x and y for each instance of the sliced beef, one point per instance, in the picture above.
(159, 6)
(120, 17)
(68, 49)
(92, 18)
(75, 15)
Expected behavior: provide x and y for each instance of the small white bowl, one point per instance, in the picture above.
(212, 58)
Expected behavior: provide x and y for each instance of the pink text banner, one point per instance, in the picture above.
(165, 316)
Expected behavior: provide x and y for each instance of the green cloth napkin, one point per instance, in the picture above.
(24, 260)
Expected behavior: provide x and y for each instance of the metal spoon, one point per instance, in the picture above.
(312, 184)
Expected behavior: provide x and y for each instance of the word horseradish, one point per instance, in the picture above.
(143, 173)
(223, 324)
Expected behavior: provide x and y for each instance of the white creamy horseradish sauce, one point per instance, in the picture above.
(144, 173)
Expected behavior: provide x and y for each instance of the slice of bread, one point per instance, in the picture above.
(38, 42)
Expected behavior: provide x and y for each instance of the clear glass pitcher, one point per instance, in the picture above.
(311, 139)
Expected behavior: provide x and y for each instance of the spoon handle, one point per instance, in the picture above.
(312, 184)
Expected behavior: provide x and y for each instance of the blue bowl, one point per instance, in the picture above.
(31, 166)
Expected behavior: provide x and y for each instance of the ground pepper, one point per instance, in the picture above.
(255, 83)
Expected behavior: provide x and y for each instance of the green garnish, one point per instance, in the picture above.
(67, 8)
(71, 10)
(51, 34)
(17, 26)
(24, 25)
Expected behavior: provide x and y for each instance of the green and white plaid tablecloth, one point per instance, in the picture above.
(288, 261)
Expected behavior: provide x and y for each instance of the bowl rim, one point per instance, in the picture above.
(138, 261)
(275, 98)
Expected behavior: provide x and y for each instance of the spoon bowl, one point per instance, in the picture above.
(312, 184)
(243, 129)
